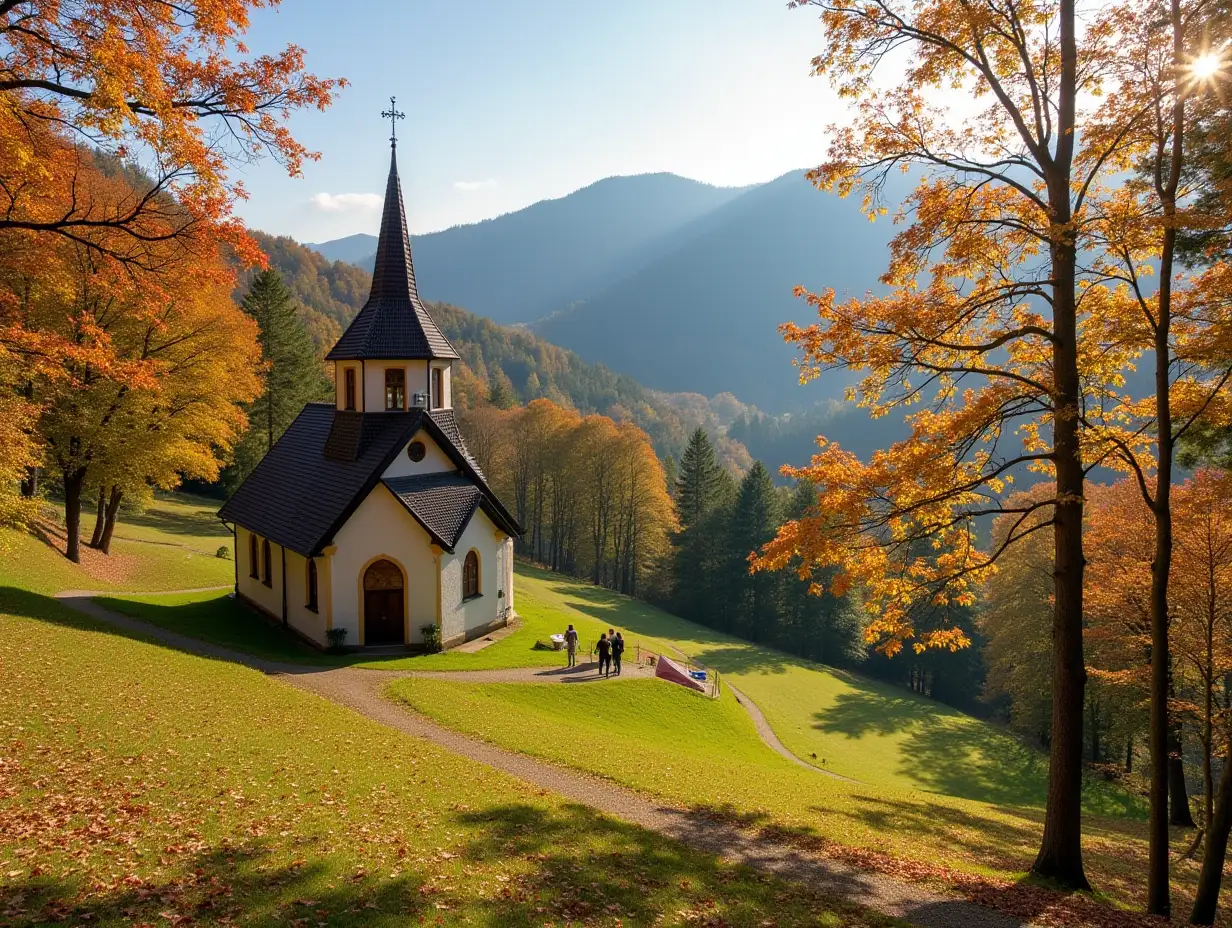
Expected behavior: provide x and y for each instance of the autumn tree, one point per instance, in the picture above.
(169, 86)
(1181, 325)
(984, 329)
(158, 361)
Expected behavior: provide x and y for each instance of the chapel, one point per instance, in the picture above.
(369, 514)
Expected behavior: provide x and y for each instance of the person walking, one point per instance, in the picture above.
(571, 640)
(618, 649)
(605, 656)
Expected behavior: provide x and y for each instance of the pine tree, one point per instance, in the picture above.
(292, 377)
(755, 598)
(699, 487)
(824, 628)
(500, 391)
(698, 479)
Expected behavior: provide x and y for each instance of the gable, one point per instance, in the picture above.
(306, 487)
(435, 459)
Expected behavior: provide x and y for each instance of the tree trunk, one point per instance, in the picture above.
(30, 483)
(113, 509)
(1060, 855)
(1207, 895)
(1163, 770)
(72, 514)
(1179, 812)
(97, 538)
(1129, 754)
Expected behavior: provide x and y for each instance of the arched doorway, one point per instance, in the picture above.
(383, 604)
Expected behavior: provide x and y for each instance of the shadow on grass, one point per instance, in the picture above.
(176, 523)
(942, 751)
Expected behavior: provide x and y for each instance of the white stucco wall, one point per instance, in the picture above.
(446, 400)
(458, 618)
(304, 620)
(374, 381)
(381, 527)
(268, 598)
(340, 385)
(435, 460)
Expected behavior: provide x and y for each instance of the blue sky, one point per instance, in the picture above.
(508, 102)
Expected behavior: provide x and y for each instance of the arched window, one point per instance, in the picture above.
(470, 575)
(312, 584)
(267, 565)
(252, 556)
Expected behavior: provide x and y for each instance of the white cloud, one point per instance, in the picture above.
(472, 185)
(346, 202)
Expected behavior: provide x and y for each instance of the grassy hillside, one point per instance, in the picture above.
(141, 785)
(172, 545)
(870, 731)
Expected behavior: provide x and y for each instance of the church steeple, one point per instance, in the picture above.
(393, 325)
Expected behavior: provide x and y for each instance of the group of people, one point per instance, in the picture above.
(611, 648)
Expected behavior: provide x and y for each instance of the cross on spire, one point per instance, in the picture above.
(393, 115)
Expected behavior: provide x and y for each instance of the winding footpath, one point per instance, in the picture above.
(361, 690)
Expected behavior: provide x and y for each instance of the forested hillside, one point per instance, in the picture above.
(514, 362)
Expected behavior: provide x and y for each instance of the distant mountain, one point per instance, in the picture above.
(676, 283)
(331, 293)
(354, 249)
(703, 314)
(523, 265)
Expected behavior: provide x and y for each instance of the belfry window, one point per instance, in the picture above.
(395, 388)
(438, 388)
(312, 585)
(349, 379)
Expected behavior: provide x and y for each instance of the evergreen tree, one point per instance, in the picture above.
(824, 628)
(699, 488)
(292, 375)
(755, 598)
(500, 391)
(670, 474)
(698, 479)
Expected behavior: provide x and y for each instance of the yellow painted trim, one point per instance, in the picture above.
(479, 578)
(327, 555)
(406, 594)
(440, 622)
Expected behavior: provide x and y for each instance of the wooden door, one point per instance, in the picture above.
(384, 617)
(383, 620)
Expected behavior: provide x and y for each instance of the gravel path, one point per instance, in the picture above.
(361, 691)
(772, 740)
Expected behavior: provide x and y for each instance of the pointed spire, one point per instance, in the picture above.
(393, 276)
(393, 325)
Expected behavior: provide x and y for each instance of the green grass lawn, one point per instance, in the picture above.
(873, 732)
(218, 618)
(171, 546)
(142, 785)
(934, 785)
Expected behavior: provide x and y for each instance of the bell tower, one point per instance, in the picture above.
(392, 357)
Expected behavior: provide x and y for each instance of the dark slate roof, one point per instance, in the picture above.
(393, 325)
(328, 460)
(448, 423)
(442, 503)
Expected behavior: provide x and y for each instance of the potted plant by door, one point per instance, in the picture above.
(431, 637)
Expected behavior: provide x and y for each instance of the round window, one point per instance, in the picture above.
(416, 451)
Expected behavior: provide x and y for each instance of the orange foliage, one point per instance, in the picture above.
(169, 86)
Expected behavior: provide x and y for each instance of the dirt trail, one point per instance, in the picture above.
(361, 691)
